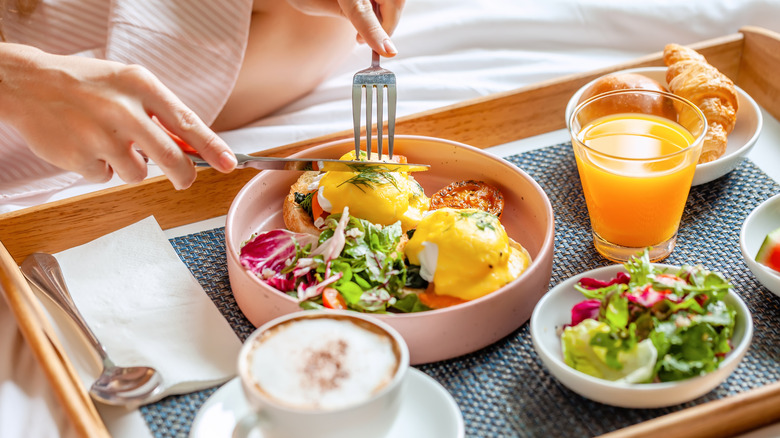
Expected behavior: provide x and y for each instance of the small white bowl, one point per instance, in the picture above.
(553, 311)
(761, 221)
(740, 141)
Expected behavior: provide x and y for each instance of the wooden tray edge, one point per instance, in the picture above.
(50, 354)
(725, 417)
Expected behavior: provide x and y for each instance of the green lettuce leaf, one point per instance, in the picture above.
(591, 348)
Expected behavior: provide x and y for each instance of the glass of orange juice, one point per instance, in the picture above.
(636, 153)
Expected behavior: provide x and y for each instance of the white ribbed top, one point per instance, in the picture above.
(195, 47)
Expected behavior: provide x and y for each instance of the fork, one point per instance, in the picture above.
(374, 78)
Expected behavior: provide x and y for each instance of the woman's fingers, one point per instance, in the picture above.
(373, 32)
(391, 14)
(195, 136)
(163, 150)
(96, 113)
(175, 118)
(170, 127)
(126, 162)
(96, 171)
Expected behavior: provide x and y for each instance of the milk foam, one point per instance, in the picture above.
(322, 363)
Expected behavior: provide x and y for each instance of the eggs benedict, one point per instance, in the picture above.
(381, 198)
(464, 253)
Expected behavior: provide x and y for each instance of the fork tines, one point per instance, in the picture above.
(374, 79)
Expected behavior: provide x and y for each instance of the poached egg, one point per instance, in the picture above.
(379, 197)
(465, 253)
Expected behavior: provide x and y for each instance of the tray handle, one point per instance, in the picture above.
(725, 417)
(758, 67)
(43, 341)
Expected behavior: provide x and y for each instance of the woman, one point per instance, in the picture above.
(93, 99)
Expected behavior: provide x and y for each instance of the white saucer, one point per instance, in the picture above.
(427, 410)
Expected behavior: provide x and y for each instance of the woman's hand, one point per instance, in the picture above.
(361, 13)
(94, 117)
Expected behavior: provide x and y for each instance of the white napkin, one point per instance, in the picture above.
(146, 308)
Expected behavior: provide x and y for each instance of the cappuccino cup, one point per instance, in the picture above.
(323, 373)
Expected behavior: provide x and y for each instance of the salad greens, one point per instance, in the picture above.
(650, 325)
(357, 258)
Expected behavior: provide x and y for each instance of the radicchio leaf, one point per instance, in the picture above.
(646, 296)
(592, 283)
(273, 251)
(588, 309)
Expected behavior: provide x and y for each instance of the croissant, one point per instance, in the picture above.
(689, 75)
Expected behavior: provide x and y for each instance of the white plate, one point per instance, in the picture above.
(740, 141)
(427, 410)
(761, 221)
(554, 310)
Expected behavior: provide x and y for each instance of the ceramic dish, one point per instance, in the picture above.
(427, 410)
(741, 140)
(760, 222)
(437, 334)
(554, 311)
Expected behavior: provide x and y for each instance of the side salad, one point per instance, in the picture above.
(649, 324)
(353, 264)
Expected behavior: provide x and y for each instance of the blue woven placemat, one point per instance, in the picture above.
(504, 390)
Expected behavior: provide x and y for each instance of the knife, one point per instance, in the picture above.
(323, 164)
(300, 164)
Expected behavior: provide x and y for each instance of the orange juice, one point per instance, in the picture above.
(636, 172)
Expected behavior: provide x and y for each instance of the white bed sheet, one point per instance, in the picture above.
(453, 50)
(449, 51)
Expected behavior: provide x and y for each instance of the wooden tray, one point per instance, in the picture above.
(751, 58)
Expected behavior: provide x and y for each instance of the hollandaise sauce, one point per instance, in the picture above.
(636, 172)
(465, 253)
(378, 197)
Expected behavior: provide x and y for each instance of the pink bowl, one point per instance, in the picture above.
(437, 334)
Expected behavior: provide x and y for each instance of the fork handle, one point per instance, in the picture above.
(374, 54)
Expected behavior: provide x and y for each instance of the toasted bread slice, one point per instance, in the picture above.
(296, 218)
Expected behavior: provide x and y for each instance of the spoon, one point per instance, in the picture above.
(121, 386)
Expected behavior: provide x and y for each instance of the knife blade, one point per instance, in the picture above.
(323, 164)
(297, 164)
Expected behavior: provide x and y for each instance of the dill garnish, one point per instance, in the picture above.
(482, 219)
(304, 200)
(370, 178)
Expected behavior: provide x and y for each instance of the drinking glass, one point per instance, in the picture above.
(636, 153)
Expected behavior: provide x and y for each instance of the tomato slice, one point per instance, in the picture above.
(436, 301)
(316, 208)
(469, 194)
(332, 299)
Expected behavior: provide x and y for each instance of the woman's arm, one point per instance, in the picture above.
(90, 116)
(294, 45)
(288, 54)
